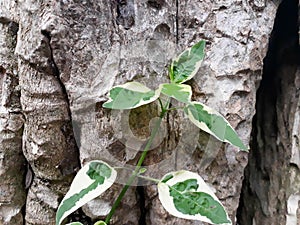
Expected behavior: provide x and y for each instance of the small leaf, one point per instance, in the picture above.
(100, 223)
(130, 95)
(213, 123)
(180, 92)
(142, 170)
(187, 64)
(90, 182)
(75, 223)
(185, 195)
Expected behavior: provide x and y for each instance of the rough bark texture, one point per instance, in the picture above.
(271, 193)
(12, 161)
(47, 133)
(69, 53)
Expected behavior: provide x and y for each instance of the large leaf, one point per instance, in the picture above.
(130, 95)
(91, 181)
(213, 123)
(185, 195)
(187, 64)
(180, 92)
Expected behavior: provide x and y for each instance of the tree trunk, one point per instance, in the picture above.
(60, 58)
(272, 185)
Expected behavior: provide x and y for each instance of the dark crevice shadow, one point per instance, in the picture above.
(141, 195)
(283, 51)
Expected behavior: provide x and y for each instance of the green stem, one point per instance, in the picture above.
(175, 108)
(161, 104)
(149, 178)
(139, 164)
(120, 197)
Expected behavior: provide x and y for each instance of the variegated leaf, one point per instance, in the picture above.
(187, 64)
(213, 123)
(130, 95)
(100, 223)
(75, 223)
(90, 182)
(185, 195)
(180, 92)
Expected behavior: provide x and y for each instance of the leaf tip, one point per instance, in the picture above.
(244, 148)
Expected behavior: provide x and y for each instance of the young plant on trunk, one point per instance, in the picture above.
(183, 194)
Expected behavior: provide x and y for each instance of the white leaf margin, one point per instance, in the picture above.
(136, 87)
(197, 65)
(78, 223)
(74, 223)
(200, 124)
(181, 176)
(83, 181)
(205, 128)
(100, 223)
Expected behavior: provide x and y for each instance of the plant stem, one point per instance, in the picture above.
(139, 164)
(121, 195)
(148, 178)
(161, 104)
(175, 108)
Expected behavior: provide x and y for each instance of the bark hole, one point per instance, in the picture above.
(2, 71)
(125, 13)
(157, 4)
(264, 196)
(162, 32)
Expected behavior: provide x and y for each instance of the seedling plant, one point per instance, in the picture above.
(183, 194)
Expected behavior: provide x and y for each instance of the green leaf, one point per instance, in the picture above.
(142, 170)
(130, 95)
(213, 123)
(187, 64)
(180, 92)
(100, 223)
(90, 182)
(185, 195)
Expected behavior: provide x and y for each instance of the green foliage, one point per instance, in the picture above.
(97, 223)
(187, 64)
(91, 181)
(100, 223)
(188, 201)
(130, 95)
(183, 194)
(213, 123)
(180, 92)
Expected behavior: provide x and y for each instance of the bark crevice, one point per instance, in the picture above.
(56, 72)
(66, 128)
(141, 198)
(267, 184)
(177, 22)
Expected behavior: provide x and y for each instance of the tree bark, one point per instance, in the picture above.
(12, 161)
(271, 188)
(66, 56)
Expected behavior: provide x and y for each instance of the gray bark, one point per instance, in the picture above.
(12, 161)
(68, 55)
